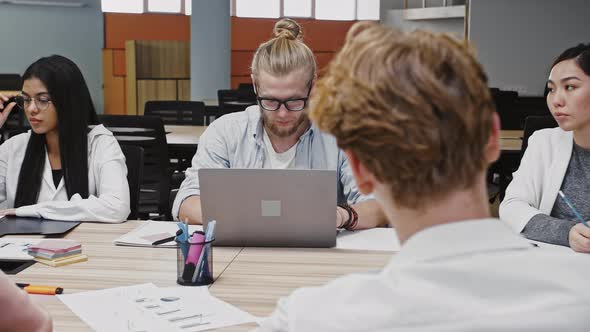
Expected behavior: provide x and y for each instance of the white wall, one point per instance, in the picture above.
(210, 48)
(28, 33)
(517, 40)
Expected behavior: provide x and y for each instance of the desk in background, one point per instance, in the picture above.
(511, 140)
(252, 279)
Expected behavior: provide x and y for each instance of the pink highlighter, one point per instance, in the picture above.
(192, 258)
(194, 251)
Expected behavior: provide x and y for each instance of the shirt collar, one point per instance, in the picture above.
(459, 238)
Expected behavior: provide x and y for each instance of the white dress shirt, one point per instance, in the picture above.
(535, 184)
(108, 190)
(475, 275)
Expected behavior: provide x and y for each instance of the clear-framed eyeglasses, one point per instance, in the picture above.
(41, 101)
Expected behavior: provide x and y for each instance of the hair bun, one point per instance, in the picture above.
(287, 28)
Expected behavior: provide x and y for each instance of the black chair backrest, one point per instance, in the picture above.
(10, 82)
(505, 102)
(234, 100)
(134, 162)
(176, 112)
(148, 133)
(532, 124)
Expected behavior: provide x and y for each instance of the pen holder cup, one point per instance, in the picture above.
(194, 262)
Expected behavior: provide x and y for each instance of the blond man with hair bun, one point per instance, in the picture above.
(277, 133)
(414, 115)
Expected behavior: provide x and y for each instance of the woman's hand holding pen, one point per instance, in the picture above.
(579, 238)
(5, 109)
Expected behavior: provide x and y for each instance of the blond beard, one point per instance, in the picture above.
(302, 122)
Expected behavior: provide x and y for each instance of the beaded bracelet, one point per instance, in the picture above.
(353, 217)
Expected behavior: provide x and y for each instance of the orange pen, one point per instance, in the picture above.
(39, 289)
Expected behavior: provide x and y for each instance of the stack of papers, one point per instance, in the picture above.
(57, 252)
(149, 308)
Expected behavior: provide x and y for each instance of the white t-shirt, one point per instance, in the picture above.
(279, 160)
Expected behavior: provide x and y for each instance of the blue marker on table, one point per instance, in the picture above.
(576, 213)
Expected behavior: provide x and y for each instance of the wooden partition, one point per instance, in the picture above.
(156, 70)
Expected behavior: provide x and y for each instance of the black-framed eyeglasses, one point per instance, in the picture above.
(292, 105)
(41, 101)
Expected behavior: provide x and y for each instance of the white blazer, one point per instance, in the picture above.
(535, 184)
(108, 190)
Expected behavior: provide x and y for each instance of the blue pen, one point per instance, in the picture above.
(576, 213)
(183, 238)
(203, 261)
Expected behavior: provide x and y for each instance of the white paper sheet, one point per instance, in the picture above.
(380, 239)
(16, 248)
(150, 231)
(149, 308)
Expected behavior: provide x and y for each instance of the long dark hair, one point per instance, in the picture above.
(75, 111)
(580, 53)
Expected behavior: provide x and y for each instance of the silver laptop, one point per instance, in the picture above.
(270, 207)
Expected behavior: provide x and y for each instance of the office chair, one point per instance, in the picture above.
(176, 112)
(146, 132)
(134, 162)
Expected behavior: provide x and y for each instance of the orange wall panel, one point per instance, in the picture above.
(236, 80)
(122, 27)
(248, 33)
(119, 68)
(240, 62)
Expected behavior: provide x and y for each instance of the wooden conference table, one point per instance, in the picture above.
(252, 279)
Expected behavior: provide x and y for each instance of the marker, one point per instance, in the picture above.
(39, 289)
(576, 213)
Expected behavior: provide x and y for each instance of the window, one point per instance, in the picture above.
(164, 6)
(297, 8)
(258, 8)
(367, 9)
(188, 7)
(122, 6)
(344, 10)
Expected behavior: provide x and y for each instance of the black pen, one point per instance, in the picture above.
(168, 239)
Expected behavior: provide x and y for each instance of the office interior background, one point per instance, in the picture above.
(514, 39)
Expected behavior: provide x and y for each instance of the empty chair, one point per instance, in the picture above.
(134, 162)
(176, 112)
(234, 100)
(146, 132)
(505, 102)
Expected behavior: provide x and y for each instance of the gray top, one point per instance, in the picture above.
(236, 141)
(576, 187)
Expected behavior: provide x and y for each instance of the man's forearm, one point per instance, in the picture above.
(190, 209)
(370, 215)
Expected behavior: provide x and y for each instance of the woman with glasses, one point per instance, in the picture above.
(557, 159)
(277, 132)
(61, 169)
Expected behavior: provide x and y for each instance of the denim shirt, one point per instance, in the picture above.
(236, 141)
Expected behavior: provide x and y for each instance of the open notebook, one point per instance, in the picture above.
(150, 231)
